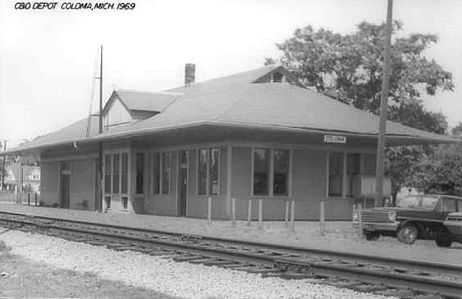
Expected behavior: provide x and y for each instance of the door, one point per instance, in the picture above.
(65, 184)
(182, 182)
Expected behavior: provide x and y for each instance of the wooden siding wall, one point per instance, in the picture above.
(49, 184)
(82, 184)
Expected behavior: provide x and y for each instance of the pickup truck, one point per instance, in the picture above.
(415, 216)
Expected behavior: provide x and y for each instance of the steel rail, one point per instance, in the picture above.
(357, 256)
(326, 267)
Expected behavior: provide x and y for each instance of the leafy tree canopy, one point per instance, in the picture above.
(349, 66)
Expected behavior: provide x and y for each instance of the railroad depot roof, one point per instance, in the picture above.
(243, 100)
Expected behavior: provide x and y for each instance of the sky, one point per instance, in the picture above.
(48, 58)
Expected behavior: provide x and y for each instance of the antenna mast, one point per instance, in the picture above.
(99, 183)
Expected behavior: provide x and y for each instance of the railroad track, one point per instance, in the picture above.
(379, 275)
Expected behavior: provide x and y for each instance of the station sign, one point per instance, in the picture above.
(334, 139)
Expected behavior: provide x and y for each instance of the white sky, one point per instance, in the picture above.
(47, 58)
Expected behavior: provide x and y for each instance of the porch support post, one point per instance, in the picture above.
(229, 178)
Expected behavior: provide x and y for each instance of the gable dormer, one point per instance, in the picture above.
(115, 113)
(126, 106)
(279, 75)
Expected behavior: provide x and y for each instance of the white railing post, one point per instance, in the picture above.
(322, 221)
(209, 210)
(292, 216)
(233, 211)
(260, 213)
(354, 215)
(360, 221)
(249, 213)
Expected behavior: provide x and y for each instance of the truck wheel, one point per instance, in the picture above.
(371, 236)
(407, 234)
(443, 240)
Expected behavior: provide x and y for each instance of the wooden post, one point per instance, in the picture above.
(233, 211)
(383, 108)
(322, 218)
(360, 221)
(35, 197)
(292, 216)
(286, 214)
(260, 213)
(249, 213)
(28, 198)
(354, 215)
(209, 210)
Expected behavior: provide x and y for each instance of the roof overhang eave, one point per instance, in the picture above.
(395, 139)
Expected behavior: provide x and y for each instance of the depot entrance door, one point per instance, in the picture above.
(182, 182)
(65, 184)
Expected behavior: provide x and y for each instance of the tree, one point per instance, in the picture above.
(438, 172)
(457, 130)
(348, 67)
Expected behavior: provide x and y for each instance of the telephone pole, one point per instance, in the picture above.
(383, 109)
(3, 166)
(99, 202)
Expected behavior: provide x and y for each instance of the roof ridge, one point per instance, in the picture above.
(149, 92)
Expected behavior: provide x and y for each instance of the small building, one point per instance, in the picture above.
(259, 134)
(25, 176)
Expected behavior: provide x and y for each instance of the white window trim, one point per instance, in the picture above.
(111, 153)
(208, 163)
(271, 170)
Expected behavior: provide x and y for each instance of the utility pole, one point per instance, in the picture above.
(383, 109)
(99, 203)
(3, 166)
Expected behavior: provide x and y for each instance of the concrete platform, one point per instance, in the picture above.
(340, 235)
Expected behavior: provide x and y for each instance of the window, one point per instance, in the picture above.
(448, 205)
(208, 171)
(166, 159)
(115, 175)
(353, 169)
(139, 173)
(155, 173)
(281, 172)
(107, 173)
(335, 174)
(271, 169)
(124, 173)
(161, 173)
(214, 175)
(277, 77)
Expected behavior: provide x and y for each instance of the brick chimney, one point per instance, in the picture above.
(189, 73)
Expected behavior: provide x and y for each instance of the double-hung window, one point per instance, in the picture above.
(271, 172)
(161, 172)
(116, 173)
(342, 170)
(208, 171)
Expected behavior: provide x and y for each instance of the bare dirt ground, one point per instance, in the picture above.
(21, 278)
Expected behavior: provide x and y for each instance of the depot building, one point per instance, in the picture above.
(259, 134)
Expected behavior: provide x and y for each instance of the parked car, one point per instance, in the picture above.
(415, 216)
(454, 224)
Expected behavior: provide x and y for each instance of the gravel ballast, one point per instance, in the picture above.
(340, 235)
(164, 275)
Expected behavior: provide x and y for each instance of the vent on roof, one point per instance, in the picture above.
(277, 77)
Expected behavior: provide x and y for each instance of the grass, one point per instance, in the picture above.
(21, 278)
